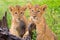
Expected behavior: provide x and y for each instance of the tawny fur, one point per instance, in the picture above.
(17, 14)
(36, 15)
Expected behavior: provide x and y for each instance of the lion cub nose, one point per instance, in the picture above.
(18, 18)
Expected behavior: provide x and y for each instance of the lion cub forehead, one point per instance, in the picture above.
(36, 7)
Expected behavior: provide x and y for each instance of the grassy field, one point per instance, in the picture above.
(52, 14)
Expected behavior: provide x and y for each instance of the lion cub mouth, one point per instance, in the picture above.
(34, 18)
(18, 20)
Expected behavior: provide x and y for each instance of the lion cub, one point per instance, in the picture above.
(19, 21)
(36, 15)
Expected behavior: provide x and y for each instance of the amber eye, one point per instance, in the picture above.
(38, 11)
(15, 12)
(21, 13)
(32, 10)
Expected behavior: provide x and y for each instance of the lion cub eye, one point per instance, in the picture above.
(15, 12)
(22, 13)
(32, 10)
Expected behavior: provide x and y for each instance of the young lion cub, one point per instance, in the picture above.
(36, 15)
(19, 21)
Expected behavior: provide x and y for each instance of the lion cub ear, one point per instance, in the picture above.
(11, 8)
(44, 7)
(24, 8)
(29, 5)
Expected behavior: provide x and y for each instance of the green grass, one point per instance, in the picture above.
(52, 14)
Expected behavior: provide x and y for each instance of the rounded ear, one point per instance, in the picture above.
(24, 8)
(44, 7)
(11, 8)
(18, 7)
(29, 5)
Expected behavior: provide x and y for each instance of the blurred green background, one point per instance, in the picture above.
(52, 14)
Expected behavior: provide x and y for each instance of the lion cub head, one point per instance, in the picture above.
(36, 11)
(17, 12)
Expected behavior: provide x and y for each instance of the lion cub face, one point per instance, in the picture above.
(17, 12)
(36, 11)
